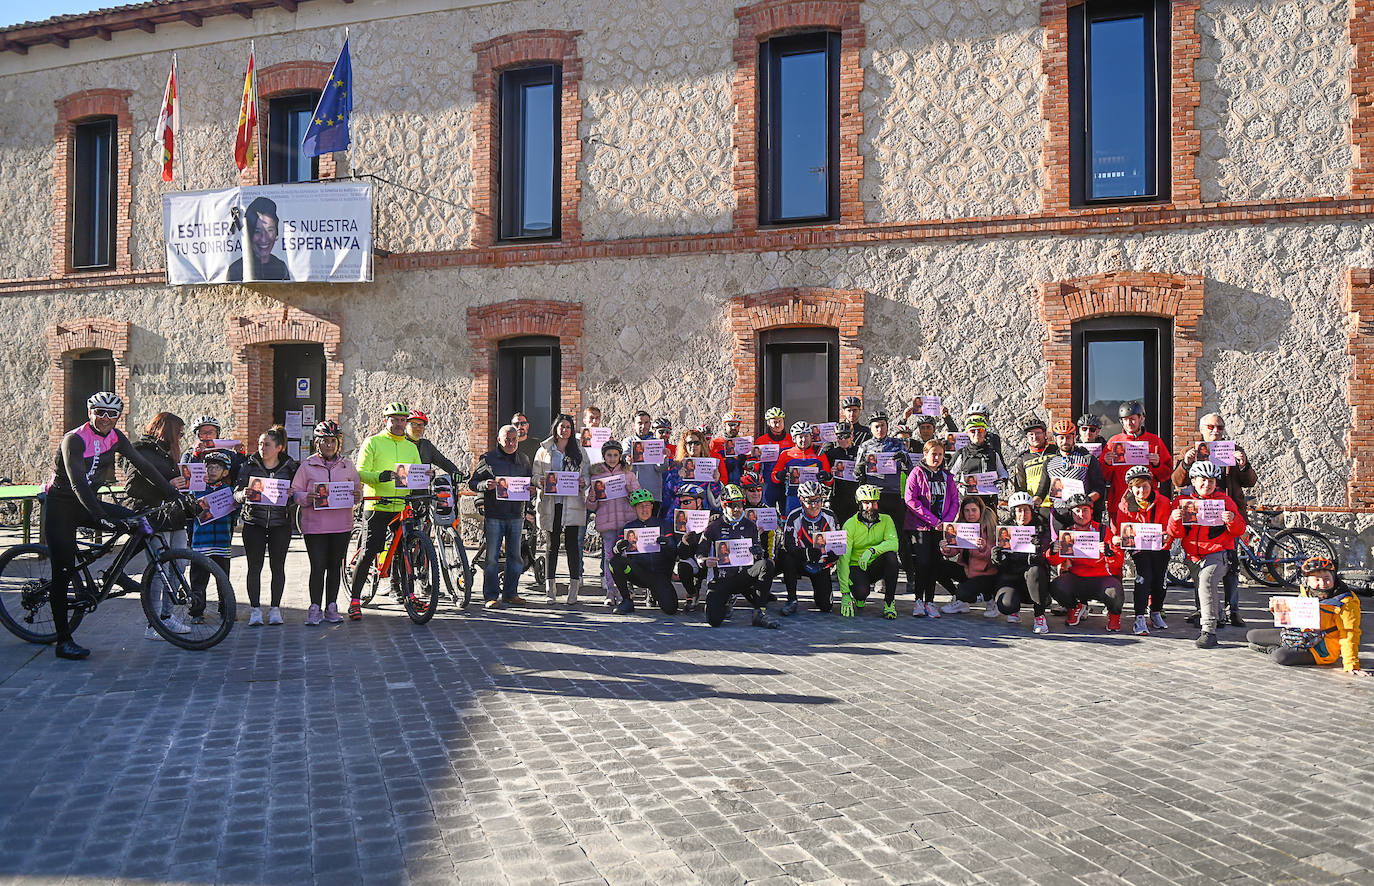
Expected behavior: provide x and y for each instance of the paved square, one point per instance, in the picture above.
(565, 745)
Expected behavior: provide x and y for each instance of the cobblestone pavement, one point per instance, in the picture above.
(565, 745)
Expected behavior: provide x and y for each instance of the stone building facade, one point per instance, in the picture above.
(957, 263)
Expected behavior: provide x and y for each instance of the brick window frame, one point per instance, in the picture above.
(1185, 140)
(790, 308)
(542, 46)
(1362, 89)
(1359, 303)
(250, 338)
(489, 325)
(72, 110)
(66, 340)
(275, 81)
(1176, 297)
(772, 18)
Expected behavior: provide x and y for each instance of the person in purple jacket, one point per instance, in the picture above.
(326, 530)
(932, 498)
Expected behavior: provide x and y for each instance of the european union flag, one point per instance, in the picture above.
(328, 130)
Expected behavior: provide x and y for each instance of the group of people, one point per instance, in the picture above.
(723, 515)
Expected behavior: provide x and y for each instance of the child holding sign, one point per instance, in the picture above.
(214, 536)
(1207, 545)
(1142, 503)
(1336, 638)
(1084, 579)
(611, 513)
(267, 522)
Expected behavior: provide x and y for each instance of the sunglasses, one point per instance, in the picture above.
(1216, 427)
(105, 413)
(521, 424)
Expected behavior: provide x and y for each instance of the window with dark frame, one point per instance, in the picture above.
(1119, 359)
(529, 179)
(1119, 126)
(801, 373)
(529, 377)
(288, 117)
(799, 129)
(87, 373)
(93, 193)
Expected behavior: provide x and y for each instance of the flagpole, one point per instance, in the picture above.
(257, 154)
(176, 123)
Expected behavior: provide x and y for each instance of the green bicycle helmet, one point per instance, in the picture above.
(868, 492)
(774, 412)
(641, 496)
(397, 408)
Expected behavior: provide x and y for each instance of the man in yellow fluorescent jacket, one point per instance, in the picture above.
(871, 555)
(377, 462)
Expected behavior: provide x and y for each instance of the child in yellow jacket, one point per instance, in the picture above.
(1338, 639)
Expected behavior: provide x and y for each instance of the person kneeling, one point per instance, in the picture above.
(803, 548)
(871, 555)
(651, 569)
(1084, 579)
(975, 564)
(689, 572)
(1024, 576)
(1338, 639)
(728, 576)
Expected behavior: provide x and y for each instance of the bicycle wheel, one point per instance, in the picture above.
(591, 545)
(419, 570)
(453, 557)
(25, 580)
(1254, 567)
(198, 619)
(356, 540)
(1182, 572)
(1290, 547)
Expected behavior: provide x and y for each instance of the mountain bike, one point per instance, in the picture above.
(1268, 554)
(409, 559)
(180, 615)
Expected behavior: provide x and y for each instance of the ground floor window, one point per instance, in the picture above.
(801, 373)
(528, 379)
(89, 372)
(1118, 359)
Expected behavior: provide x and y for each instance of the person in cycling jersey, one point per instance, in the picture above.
(775, 433)
(1144, 503)
(1024, 576)
(416, 423)
(1085, 579)
(1208, 546)
(689, 572)
(377, 461)
(803, 549)
(802, 456)
(723, 447)
(85, 462)
(870, 555)
(726, 579)
(652, 570)
(850, 409)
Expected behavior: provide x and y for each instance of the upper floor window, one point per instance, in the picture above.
(531, 153)
(93, 193)
(1119, 100)
(288, 117)
(799, 123)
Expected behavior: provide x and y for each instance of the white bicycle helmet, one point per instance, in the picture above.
(105, 400)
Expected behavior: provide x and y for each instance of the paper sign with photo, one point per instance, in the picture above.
(957, 440)
(194, 472)
(986, 482)
(882, 463)
(735, 552)
(276, 491)
(1211, 512)
(608, 487)
(1301, 613)
(687, 520)
(412, 476)
(1017, 539)
(562, 483)
(1142, 536)
(1082, 545)
(768, 452)
(293, 425)
(1218, 452)
(826, 432)
(215, 505)
(513, 488)
(592, 441)
(226, 445)
(799, 475)
(648, 452)
(961, 535)
(307, 419)
(1094, 449)
(843, 469)
(765, 518)
(642, 540)
(334, 496)
(1137, 452)
(931, 405)
(704, 470)
(835, 541)
(742, 445)
(1063, 488)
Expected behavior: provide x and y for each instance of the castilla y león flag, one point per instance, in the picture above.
(245, 141)
(169, 122)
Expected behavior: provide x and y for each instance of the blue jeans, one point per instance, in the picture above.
(498, 531)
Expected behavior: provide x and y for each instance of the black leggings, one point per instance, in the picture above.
(927, 566)
(326, 551)
(1031, 585)
(745, 582)
(691, 576)
(626, 572)
(975, 586)
(270, 543)
(1069, 590)
(1151, 572)
(377, 537)
(61, 516)
(794, 565)
(571, 537)
(1270, 640)
(882, 569)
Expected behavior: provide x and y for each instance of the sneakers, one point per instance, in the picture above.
(1142, 626)
(931, 610)
(274, 616)
(1075, 615)
(790, 608)
(255, 617)
(919, 610)
(178, 626)
(1014, 618)
(889, 610)
(331, 614)
(763, 620)
(991, 610)
(1113, 621)
(954, 607)
(626, 606)
(312, 615)
(150, 633)
(574, 586)
(1208, 640)
(1041, 626)
(1236, 620)
(492, 604)
(1157, 621)
(355, 611)
(516, 600)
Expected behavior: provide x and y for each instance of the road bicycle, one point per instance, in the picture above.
(179, 613)
(1268, 554)
(409, 560)
(444, 527)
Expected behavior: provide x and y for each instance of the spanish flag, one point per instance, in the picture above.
(246, 140)
(169, 122)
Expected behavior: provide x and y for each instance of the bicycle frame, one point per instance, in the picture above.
(116, 573)
(406, 515)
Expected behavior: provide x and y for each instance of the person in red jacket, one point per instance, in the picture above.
(1207, 545)
(1143, 503)
(1114, 468)
(1083, 579)
(803, 454)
